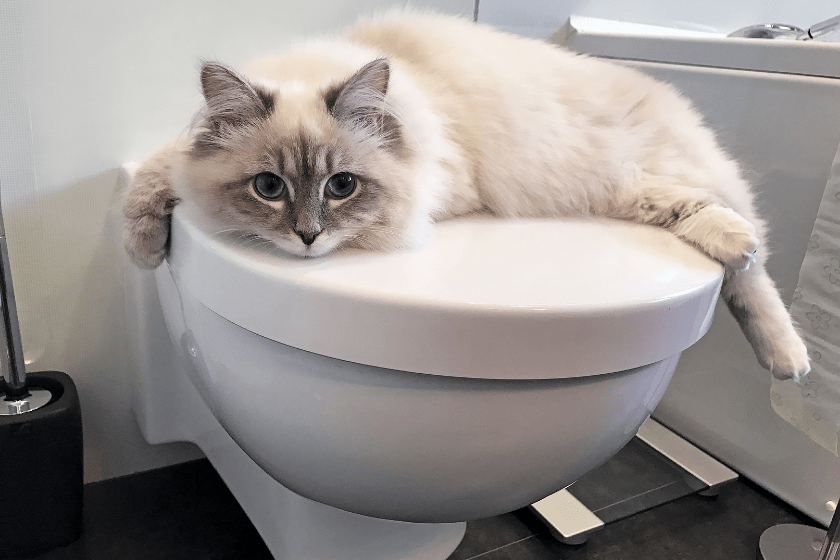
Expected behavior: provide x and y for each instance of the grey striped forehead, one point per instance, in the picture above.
(306, 161)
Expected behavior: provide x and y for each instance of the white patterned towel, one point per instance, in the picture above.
(813, 405)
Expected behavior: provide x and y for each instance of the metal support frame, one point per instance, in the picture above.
(571, 522)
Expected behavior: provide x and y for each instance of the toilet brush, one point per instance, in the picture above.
(40, 443)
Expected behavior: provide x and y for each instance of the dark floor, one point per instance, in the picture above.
(185, 511)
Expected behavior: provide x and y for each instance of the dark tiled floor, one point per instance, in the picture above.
(186, 512)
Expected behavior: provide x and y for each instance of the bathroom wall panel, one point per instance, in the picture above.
(85, 87)
(541, 18)
(785, 130)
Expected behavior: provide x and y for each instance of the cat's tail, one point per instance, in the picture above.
(755, 303)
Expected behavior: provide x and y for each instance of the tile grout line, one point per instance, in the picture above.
(501, 547)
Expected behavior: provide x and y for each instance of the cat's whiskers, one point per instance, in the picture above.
(243, 239)
(228, 230)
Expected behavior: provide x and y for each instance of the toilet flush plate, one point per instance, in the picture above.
(493, 298)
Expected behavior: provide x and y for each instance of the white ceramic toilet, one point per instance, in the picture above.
(364, 405)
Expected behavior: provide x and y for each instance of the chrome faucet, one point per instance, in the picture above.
(830, 27)
(827, 30)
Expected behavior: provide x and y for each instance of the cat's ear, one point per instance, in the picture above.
(361, 98)
(231, 99)
(360, 102)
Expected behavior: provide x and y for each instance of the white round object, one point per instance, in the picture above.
(485, 297)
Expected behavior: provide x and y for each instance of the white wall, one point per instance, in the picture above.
(84, 87)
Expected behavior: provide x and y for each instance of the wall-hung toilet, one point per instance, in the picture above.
(365, 405)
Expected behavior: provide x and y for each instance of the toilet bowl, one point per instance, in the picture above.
(366, 405)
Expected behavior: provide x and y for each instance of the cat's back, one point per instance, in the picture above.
(528, 114)
(456, 50)
(471, 57)
(463, 65)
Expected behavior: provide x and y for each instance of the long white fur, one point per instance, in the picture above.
(515, 127)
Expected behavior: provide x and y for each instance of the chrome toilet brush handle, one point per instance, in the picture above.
(16, 398)
(13, 373)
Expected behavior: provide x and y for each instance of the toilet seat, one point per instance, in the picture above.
(486, 297)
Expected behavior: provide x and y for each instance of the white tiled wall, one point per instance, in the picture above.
(84, 87)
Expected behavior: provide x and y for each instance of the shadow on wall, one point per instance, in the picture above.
(66, 256)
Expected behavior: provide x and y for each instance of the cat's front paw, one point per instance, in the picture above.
(148, 213)
(147, 240)
(724, 235)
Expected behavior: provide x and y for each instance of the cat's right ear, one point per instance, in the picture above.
(231, 99)
(360, 102)
(361, 97)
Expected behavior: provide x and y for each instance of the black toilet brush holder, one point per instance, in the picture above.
(41, 471)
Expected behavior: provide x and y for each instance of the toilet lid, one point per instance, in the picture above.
(486, 297)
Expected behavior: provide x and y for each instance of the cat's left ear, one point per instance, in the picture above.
(362, 97)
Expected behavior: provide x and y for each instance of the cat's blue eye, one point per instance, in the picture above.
(341, 185)
(269, 186)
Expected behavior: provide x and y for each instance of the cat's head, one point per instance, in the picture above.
(310, 169)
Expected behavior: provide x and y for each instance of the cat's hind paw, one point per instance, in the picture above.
(790, 361)
(751, 260)
(723, 234)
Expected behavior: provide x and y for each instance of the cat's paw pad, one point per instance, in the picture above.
(724, 235)
(147, 239)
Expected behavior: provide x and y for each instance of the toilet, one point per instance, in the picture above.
(366, 405)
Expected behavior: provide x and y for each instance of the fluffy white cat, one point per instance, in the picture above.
(367, 140)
